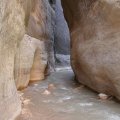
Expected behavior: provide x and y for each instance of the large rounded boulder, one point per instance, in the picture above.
(95, 43)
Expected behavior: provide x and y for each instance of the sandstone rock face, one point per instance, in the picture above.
(41, 26)
(95, 45)
(62, 37)
(31, 61)
(11, 32)
(36, 52)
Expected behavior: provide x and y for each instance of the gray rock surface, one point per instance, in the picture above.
(62, 36)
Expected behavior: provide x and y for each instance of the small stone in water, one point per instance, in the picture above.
(103, 96)
(51, 86)
(46, 92)
(20, 93)
(26, 101)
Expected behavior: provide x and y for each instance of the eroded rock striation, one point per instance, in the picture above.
(95, 43)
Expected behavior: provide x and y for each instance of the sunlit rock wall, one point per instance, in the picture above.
(31, 61)
(11, 32)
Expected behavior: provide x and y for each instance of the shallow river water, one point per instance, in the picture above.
(66, 101)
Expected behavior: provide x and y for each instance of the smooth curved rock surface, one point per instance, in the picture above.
(95, 43)
(12, 29)
(31, 61)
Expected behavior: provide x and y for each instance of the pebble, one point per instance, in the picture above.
(51, 86)
(46, 92)
(103, 96)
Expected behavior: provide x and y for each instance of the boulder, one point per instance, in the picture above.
(95, 43)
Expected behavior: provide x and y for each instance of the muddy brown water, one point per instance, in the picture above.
(67, 101)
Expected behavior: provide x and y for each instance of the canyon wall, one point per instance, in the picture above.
(27, 48)
(12, 29)
(62, 37)
(95, 43)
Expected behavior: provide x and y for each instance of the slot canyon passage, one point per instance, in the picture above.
(39, 42)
